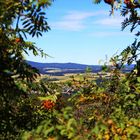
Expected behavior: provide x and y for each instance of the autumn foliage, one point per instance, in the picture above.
(90, 107)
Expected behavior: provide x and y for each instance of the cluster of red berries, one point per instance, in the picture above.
(109, 1)
(48, 104)
(17, 40)
(128, 3)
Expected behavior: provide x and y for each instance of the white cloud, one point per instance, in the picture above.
(111, 21)
(68, 25)
(79, 15)
(75, 20)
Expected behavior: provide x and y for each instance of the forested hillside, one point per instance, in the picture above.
(72, 67)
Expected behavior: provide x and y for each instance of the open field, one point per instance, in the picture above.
(76, 76)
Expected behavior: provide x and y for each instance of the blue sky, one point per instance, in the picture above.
(81, 32)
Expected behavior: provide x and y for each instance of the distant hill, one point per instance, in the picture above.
(44, 68)
(62, 68)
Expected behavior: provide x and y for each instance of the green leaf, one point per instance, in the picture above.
(39, 129)
(48, 131)
(95, 129)
(130, 96)
(116, 137)
(139, 102)
(138, 79)
(71, 123)
(63, 132)
(50, 97)
(103, 127)
(25, 26)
